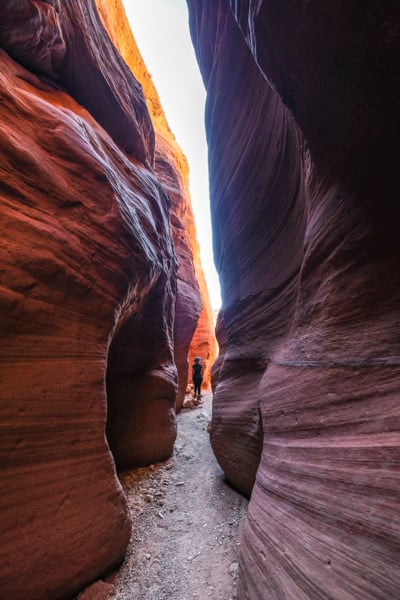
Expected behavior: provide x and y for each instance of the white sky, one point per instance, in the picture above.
(162, 33)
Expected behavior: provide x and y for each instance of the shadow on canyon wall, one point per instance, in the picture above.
(103, 297)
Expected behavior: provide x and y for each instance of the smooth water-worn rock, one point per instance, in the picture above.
(67, 44)
(302, 182)
(194, 329)
(78, 258)
(257, 300)
(88, 297)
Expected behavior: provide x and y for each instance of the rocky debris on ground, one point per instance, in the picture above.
(191, 402)
(186, 523)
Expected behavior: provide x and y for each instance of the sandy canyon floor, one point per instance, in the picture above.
(186, 525)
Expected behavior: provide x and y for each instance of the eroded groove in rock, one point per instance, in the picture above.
(67, 43)
(323, 517)
(142, 379)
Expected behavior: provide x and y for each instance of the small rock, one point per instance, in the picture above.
(97, 591)
(233, 569)
(179, 483)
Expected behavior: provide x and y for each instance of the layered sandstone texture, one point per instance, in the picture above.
(303, 130)
(194, 328)
(204, 343)
(88, 297)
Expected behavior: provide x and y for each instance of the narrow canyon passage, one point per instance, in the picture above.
(105, 306)
(186, 524)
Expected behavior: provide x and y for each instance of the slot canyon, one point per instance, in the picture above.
(104, 301)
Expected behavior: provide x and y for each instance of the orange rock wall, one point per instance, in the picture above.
(203, 343)
(172, 170)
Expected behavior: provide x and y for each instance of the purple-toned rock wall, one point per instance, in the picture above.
(256, 301)
(302, 130)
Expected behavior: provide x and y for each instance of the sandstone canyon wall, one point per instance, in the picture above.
(203, 342)
(88, 295)
(194, 328)
(303, 128)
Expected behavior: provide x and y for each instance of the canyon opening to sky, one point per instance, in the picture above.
(161, 30)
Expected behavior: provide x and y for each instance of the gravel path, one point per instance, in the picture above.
(186, 524)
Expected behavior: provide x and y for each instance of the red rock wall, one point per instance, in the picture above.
(88, 290)
(203, 342)
(194, 328)
(306, 408)
(188, 300)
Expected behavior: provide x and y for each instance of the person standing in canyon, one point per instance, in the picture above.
(197, 369)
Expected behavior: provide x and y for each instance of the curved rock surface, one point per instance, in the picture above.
(66, 43)
(306, 413)
(194, 329)
(78, 254)
(88, 297)
(256, 302)
(188, 301)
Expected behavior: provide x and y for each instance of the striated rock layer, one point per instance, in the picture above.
(243, 237)
(194, 329)
(188, 300)
(76, 262)
(306, 412)
(88, 296)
